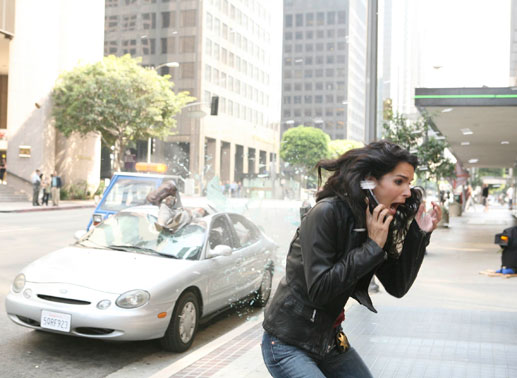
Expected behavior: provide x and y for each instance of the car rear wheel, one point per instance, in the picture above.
(183, 326)
(263, 293)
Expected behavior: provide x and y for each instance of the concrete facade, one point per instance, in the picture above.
(324, 66)
(73, 34)
(223, 49)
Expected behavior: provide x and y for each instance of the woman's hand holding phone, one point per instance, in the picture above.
(378, 223)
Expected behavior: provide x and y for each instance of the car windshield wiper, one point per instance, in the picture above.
(132, 248)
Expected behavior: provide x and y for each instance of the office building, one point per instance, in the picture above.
(324, 66)
(223, 48)
(40, 41)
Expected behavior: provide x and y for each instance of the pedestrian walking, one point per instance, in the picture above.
(55, 188)
(3, 169)
(484, 196)
(45, 188)
(36, 182)
(367, 220)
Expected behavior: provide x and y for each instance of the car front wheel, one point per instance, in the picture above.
(183, 326)
(263, 293)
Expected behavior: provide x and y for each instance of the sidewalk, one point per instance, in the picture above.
(453, 323)
(26, 206)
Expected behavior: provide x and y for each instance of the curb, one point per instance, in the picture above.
(51, 208)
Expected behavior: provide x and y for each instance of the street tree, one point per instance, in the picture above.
(338, 147)
(119, 99)
(302, 147)
(414, 136)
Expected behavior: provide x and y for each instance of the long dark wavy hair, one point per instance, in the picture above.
(376, 159)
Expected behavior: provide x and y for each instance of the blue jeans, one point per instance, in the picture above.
(287, 361)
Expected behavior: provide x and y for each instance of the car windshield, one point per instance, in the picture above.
(136, 232)
(128, 192)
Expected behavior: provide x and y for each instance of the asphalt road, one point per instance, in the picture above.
(27, 353)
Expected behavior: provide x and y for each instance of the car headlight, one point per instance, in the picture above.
(133, 299)
(19, 283)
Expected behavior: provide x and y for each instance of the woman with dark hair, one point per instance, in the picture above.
(367, 220)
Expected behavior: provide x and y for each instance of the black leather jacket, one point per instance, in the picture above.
(329, 260)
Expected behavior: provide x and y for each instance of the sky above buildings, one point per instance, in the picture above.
(467, 43)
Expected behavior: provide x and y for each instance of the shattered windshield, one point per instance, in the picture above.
(137, 232)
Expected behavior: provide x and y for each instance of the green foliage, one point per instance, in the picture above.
(117, 98)
(494, 172)
(413, 136)
(338, 147)
(75, 191)
(304, 146)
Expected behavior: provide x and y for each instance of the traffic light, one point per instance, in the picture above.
(214, 105)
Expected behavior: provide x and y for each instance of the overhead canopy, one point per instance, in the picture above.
(480, 124)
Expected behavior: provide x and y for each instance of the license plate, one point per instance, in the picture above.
(56, 321)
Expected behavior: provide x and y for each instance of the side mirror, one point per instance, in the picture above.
(220, 250)
(79, 234)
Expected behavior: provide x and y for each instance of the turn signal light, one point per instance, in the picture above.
(162, 315)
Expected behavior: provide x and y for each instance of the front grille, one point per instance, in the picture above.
(63, 300)
(93, 331)
(28, 321)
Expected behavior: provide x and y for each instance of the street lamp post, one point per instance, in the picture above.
(149, 140)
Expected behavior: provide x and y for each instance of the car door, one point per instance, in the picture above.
(223, 281)
(252, 254)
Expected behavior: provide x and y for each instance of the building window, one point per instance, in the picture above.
(309, 34)
(318, 99)
(168, 45)
(319, 60)
(298, 48)
(331, 18)
(307, 113)
(319, 47)
(299, 19)
(187, 70)
(111, 24)
(330, 59)
(320, 34)
(341, 46)
(287, 87)
(330, 46)
(168, 20)
(308, 74)
(340, 85)
(298, 35)
(308, 60)
(287, 113)
(288, 36)
(320, 18)
(129, 22)
(129, 47)
(329, 98)
(308, 86)
(149, 21)
(318, 112)
(329, 112)
(297, 87)
(330, 33)
(330, 86)
(307, 99)
(188, 44)
(148, 46)
(309, 47)
(208, 72)
(341, 59)
(309, 19)
(297, 112)
(318, 72)
(111, 3)
(329, 72)
(188, 18)
(341, 32)
(319, 86)
(341, 17)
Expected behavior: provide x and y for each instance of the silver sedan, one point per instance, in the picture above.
(127, 279)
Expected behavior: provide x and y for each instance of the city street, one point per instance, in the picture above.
(28, 353)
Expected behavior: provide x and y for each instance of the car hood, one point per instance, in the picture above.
(106, 270)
